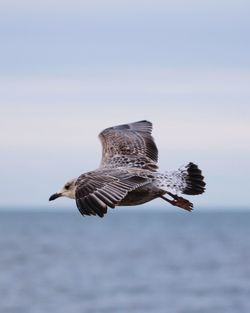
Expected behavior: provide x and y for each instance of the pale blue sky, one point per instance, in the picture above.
(71, 68)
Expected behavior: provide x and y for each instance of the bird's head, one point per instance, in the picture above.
(68, 190)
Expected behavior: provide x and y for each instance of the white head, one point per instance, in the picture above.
(68, 190)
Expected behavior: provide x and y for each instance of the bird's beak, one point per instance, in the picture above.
(55, 196)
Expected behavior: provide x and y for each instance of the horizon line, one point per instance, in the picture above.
(203, 208)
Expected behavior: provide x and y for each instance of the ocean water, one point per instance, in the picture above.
(130, 261)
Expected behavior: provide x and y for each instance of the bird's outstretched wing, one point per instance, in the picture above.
(129, 145)
(100, 189)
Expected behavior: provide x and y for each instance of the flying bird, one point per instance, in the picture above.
(128, 174)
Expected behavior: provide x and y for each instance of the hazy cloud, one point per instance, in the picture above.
(71, 68)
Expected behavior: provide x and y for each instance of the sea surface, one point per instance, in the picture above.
(130, 261)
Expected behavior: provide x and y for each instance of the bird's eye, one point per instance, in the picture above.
(67, 187)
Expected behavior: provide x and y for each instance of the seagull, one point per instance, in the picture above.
(128, 174)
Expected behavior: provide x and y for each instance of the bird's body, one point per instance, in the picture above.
(128, 174)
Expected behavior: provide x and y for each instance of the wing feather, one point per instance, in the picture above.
(100, 189)
(129, 145)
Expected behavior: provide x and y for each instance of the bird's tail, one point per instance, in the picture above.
(187, 180)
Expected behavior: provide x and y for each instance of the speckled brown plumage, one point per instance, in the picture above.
(128, 174)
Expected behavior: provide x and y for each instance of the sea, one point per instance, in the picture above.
(131, 261)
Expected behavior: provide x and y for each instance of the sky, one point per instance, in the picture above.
(69, 69)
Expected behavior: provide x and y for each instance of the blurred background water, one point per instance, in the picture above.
(130, 261)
